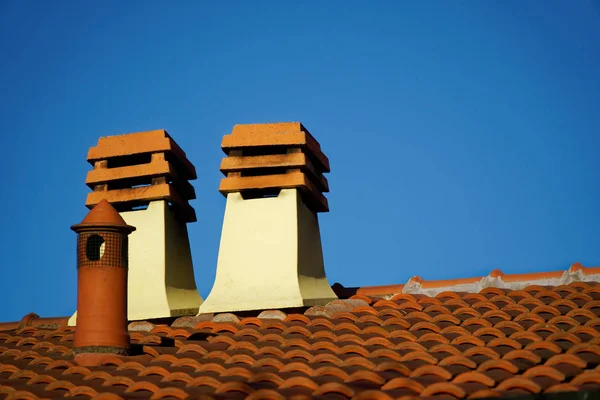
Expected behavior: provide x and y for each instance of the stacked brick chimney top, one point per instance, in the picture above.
(134, 169)
(265, 158)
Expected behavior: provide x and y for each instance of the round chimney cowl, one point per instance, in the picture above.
(102, 269)
(103, 216)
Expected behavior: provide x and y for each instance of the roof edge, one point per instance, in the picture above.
(496, 278)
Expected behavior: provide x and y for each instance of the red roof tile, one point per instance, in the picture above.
(432, 340)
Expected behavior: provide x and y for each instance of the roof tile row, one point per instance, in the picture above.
(454, 345)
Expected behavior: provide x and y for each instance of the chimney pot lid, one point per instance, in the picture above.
(103, 215)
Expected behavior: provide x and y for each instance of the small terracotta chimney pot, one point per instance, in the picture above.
(102, 265)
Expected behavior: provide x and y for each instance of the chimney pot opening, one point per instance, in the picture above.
(94, 247)
(102, 249)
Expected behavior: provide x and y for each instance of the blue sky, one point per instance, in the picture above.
(463, 136)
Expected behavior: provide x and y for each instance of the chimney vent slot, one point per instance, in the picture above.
(129, 160)
(260, 194)
(263, 151)
(264, 171)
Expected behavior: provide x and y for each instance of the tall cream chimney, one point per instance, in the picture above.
(270, 254)
(145, 177)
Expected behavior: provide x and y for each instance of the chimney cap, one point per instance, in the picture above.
(263, 159)
(103, 215)
(135, 169)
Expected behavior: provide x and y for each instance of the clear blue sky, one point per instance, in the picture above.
(463, 136)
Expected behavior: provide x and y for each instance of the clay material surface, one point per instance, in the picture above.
(264, 158)
(286, 134)
(494, 342)
(102, 279)
(295, 160)
(157, 141)
(311, 195)
(135, 169)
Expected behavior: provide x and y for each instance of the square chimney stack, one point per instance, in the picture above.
(145, 177)
(270, 254)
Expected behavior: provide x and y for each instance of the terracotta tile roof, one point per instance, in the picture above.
(498, 341)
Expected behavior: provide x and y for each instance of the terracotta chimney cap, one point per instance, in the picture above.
(267, 158)
(103, 215)
(136, 169)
